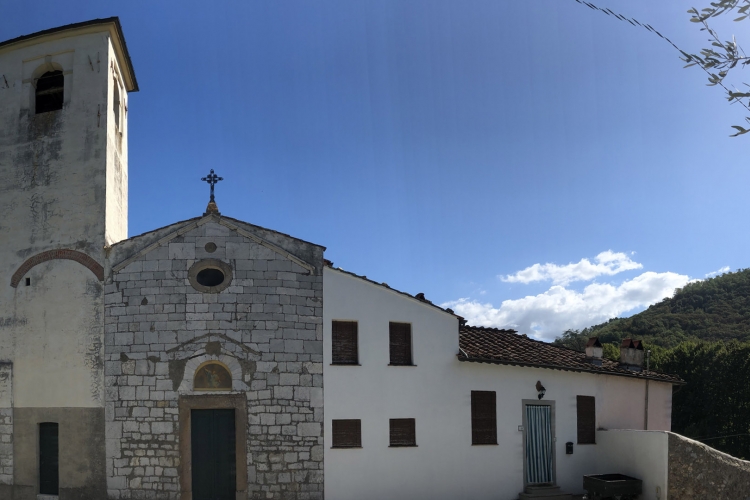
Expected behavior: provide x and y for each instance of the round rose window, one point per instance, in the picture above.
(210, 275)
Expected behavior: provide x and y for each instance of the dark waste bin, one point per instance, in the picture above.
(616, 486)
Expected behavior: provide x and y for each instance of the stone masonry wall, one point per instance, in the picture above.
(698, 472)
(6, 423)
(266, 326)
(6, 445)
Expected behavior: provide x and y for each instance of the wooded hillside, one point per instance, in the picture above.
(713, 309)
(701, 334)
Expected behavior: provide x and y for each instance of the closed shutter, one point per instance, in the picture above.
(400, 340)
(346, 433)
(345, 343)
(403, 432)
(483, 417)
(49, 476)
(586, 406)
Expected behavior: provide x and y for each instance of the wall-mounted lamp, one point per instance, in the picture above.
(540, 389)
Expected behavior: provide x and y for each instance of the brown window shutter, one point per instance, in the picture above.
(344, 343)
(483, 417)
(346, 433)
(586, 409)
(400, 343)
(403, 432)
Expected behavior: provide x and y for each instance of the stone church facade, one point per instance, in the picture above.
(265, 327)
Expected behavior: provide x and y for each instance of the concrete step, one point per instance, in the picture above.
(544, 493)
(532, 496)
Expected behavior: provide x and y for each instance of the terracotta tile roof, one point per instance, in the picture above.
(506, 347)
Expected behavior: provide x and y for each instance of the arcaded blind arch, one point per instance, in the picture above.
(49, 92)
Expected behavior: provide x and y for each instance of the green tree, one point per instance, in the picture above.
(719, 59)
(714, 406)
(722, 56)
(572, 339)
(611, 351)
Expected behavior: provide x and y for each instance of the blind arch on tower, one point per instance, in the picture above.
(63, 253)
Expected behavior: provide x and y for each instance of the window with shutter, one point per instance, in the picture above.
(346, 433)
(483, 417)
(344, 338)
(400, 342)
(403, 432)
(586, 410)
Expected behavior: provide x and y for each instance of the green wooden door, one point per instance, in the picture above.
(214, 459)
(49, 475)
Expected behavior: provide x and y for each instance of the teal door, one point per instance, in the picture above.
(539, 445)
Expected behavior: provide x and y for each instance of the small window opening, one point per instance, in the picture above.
(49, 92)
(116, 104)
(210, 277)
(346, 433)
(49, 474)
(28, 281)
(402, 432)
(210, 247)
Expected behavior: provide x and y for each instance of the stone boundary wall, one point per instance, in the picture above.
(698, 472)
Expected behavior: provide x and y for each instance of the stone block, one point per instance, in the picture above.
(289, 379)
(162, 427)
(316, 397)
(294, 346)
(283, 392)
(181, 251)
(308, 429)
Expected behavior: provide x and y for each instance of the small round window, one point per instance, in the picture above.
(210, 275)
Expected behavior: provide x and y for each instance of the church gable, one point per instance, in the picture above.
(207, 314)
(302, 253)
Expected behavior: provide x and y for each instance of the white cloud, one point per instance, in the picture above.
(549, 314)
(606, 263)
(723, 270)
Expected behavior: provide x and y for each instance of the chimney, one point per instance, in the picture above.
(631, 354)
(594, 351)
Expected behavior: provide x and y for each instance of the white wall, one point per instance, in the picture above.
(437, 393)
(60, 187)
(640, 454)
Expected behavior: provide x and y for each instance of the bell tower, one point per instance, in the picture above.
(63, 198)
(63, 140)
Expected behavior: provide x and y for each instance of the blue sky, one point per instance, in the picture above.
(442, 147)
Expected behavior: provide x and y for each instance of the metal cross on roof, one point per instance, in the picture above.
(212, 179)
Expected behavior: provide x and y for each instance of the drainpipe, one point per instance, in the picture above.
(645, 417)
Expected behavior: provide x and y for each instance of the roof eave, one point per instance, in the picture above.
(387, 287)
(113, 26)
(563, 368)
